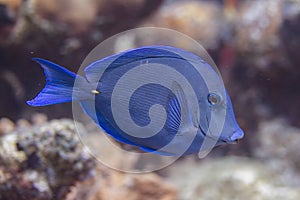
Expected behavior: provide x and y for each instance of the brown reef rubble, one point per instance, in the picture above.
(47, 161)
(42, 162)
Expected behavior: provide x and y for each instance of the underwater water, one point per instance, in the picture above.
(57, 152)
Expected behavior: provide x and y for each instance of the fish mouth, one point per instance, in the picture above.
(219, 139)
(204, 134)
(209, 135)
(235, 137)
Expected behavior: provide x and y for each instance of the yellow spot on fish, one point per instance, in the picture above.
(95, 92)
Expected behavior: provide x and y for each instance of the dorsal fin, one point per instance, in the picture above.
(94, 71)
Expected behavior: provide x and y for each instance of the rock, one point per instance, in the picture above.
(75, 14)
(290, 30)
(6, 126)
(265, 55)
(10, 156)
(61, 31)
(278, 143)
(8, 15)
(47, 161)
(110, 184)
(200, 20)
(231, 178)
(258, 25)
(73, 17)
(23, 123)
(42, 161)
(39, 118)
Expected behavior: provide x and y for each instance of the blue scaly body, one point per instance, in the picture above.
(98, 95)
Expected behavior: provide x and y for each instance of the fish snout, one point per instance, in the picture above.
(236, 136)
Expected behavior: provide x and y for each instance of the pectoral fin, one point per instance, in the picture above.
(178, 111)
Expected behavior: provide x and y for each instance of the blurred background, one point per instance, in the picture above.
(254, 43)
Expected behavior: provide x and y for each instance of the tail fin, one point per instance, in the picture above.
(59, 84)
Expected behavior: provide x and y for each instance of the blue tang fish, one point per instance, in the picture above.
(162, 99)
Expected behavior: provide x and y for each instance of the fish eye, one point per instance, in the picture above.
(214, 99)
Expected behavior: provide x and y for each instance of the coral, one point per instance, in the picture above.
(265, 68)
(8, 15)
(47, 161)
(6, 126)
(231, 178)
(110, 184)
(258, 25)
(61, 31)
(278, 143)
(200, 20)
(42, 162)
(290, 30)
(72, 17)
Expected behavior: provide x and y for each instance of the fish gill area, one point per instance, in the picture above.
(255, 45)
